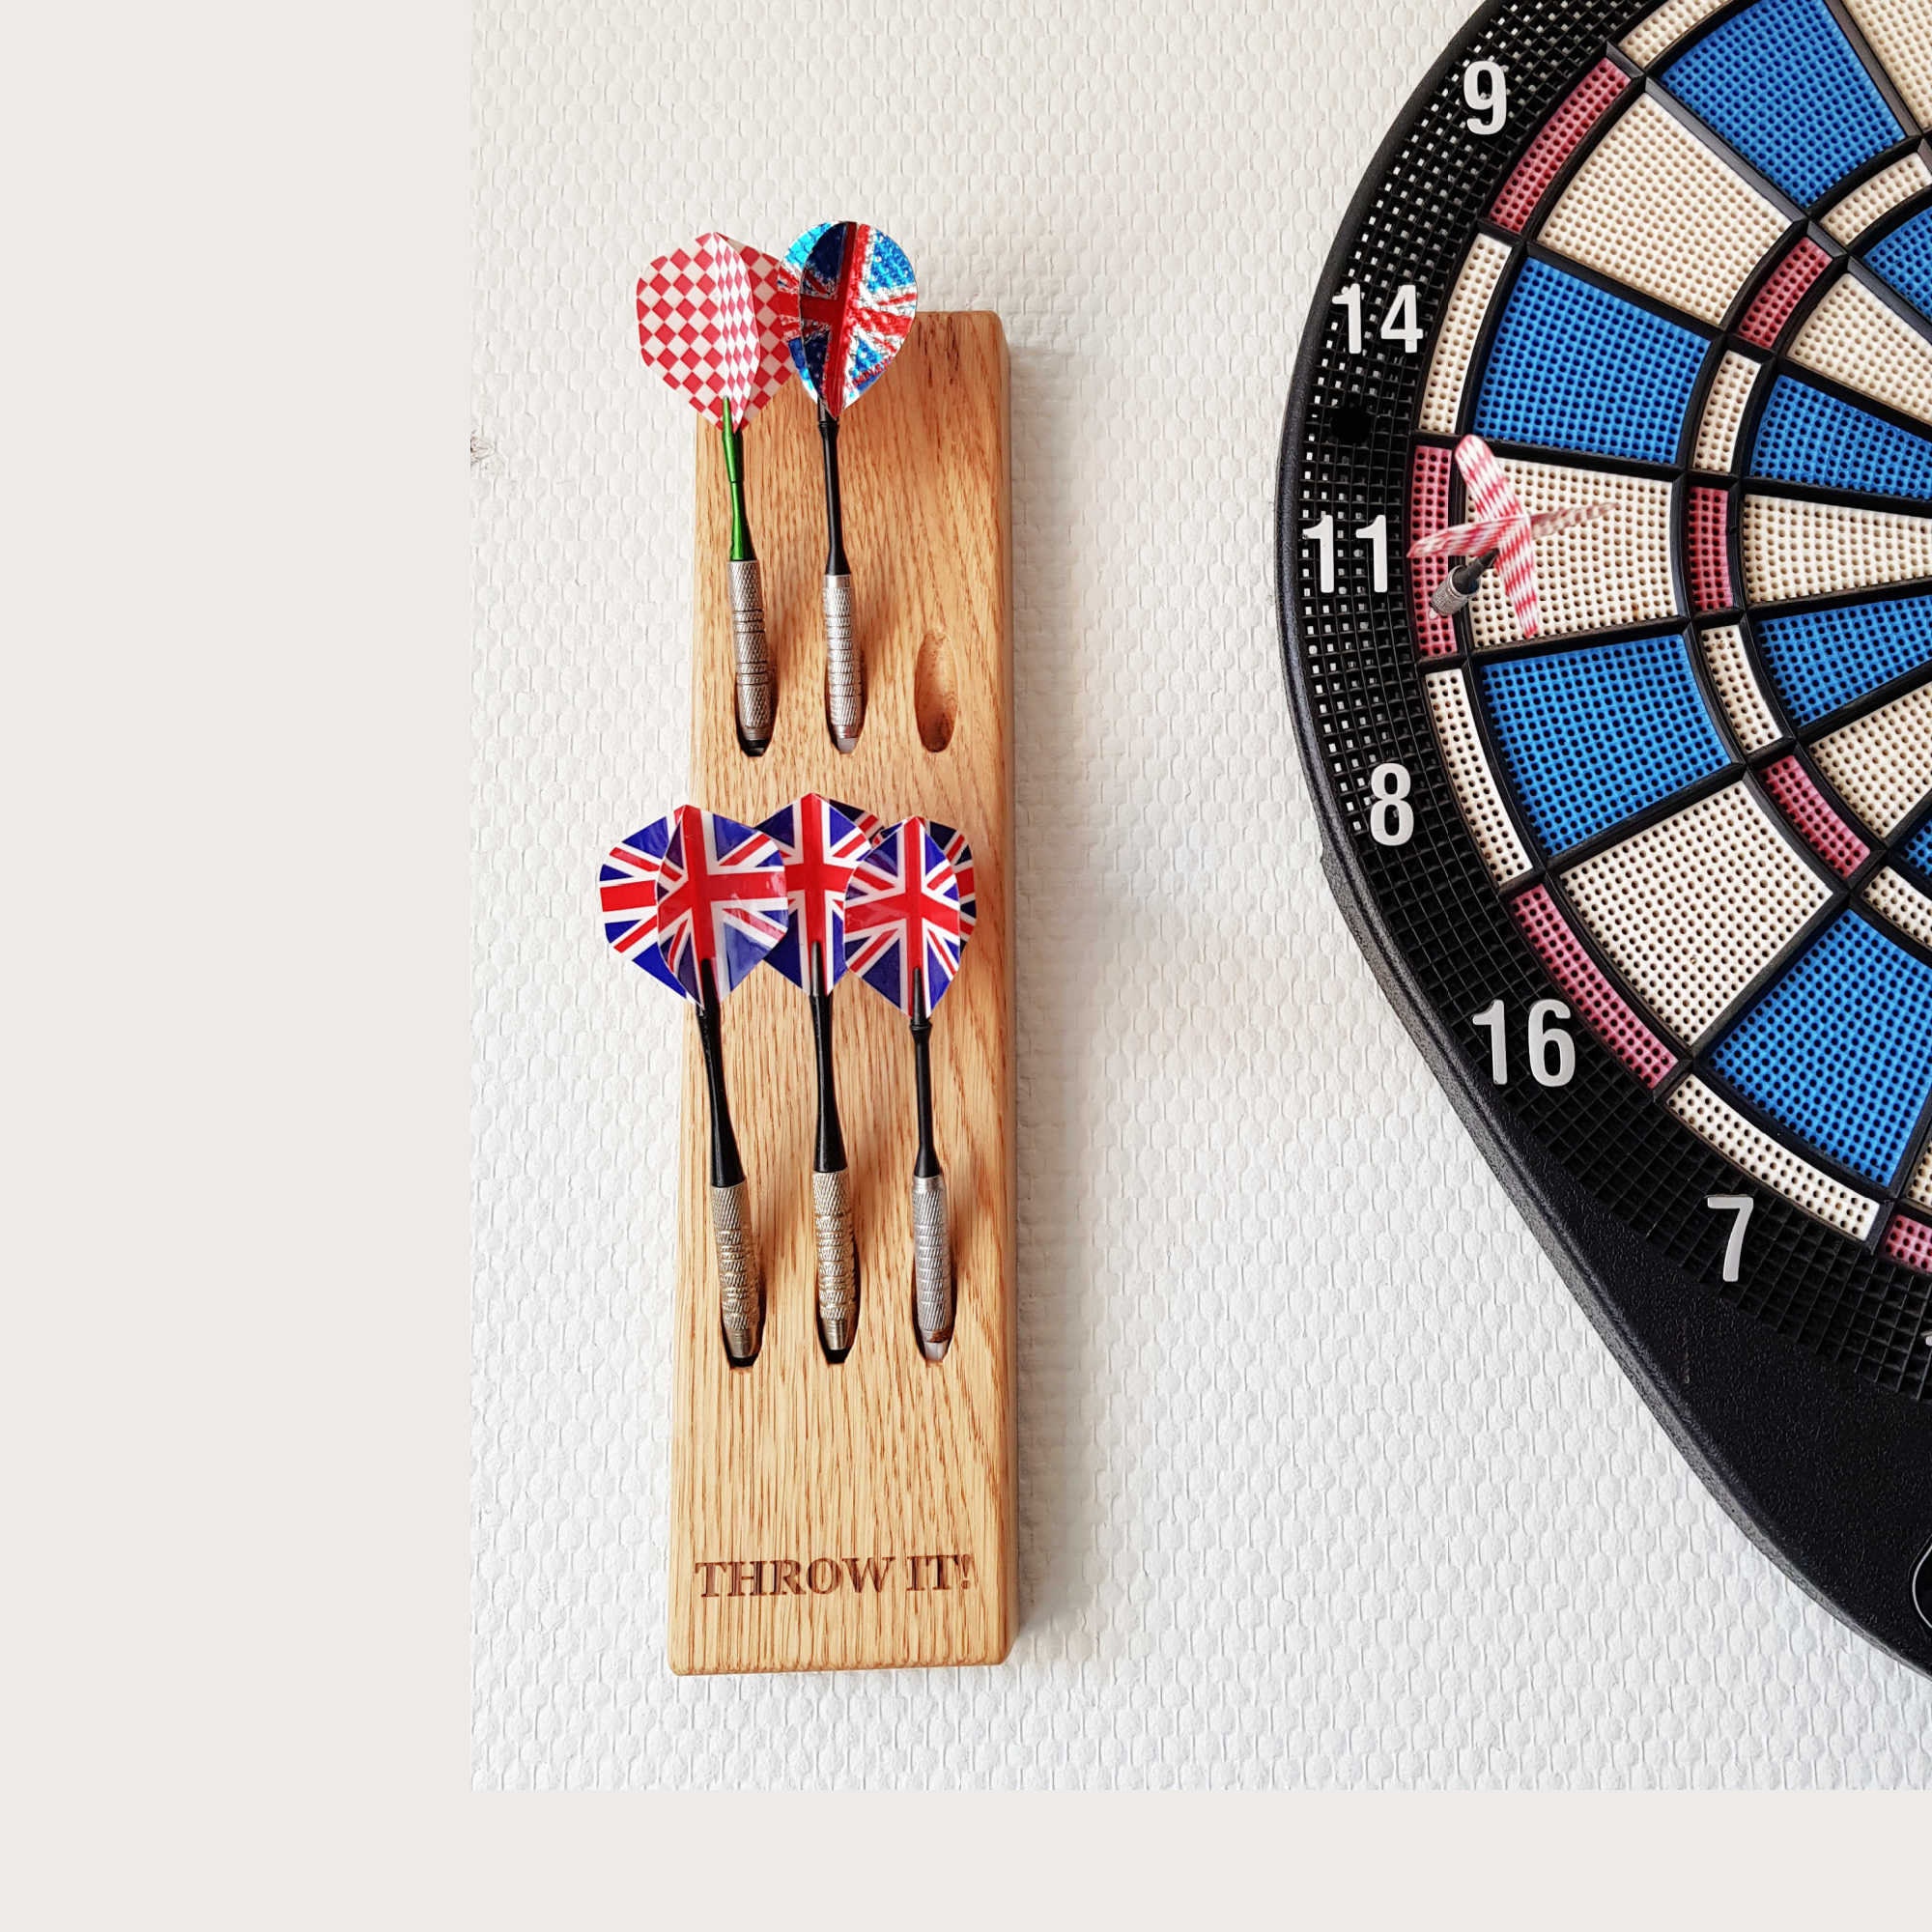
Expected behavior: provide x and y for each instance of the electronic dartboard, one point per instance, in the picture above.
(1627, 790)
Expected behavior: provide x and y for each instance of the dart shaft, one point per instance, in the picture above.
(844, 666)
(752, 683)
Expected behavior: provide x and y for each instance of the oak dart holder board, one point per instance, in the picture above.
(838, 1514)
(1652, 885)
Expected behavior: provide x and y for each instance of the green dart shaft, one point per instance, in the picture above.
(752, 683)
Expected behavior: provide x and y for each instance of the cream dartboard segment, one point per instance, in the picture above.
(1605, 573)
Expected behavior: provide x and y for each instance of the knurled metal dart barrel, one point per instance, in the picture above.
(741, 1281)
(1458, 589)
(752, 678)
(844, 666)
(832, 1193)
(931, 1229)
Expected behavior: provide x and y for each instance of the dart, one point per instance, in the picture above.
(902, 937)
(821, 844)
(1503, 532)
(707, 322)
(846, 300)
(698, 899)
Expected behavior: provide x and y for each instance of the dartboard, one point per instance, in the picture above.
(1649, 873)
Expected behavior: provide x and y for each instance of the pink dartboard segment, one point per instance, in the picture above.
(1783, 290)
(1808, 809)
(1908, 1242)
(1428, 513)
(1556, 142)
(1606, 1011)
(1708, 556)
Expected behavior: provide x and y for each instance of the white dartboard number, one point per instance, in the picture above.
(1739, 1206)
(1402, 323)
(1321, 535)
(1486, 89)
(1391, 817)
(1551, 1051)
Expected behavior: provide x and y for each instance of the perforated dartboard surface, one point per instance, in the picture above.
(1653, 889)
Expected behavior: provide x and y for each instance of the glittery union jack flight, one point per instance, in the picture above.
(720, 899)
(709, 322)
(902, 912)
(1504, 524)
(628, 890)
(847, 301)
(820, 844)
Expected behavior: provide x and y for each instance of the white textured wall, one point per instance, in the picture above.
(1325, 1479)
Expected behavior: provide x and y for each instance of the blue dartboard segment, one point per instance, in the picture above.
(1806, 437)
(1591, 736)
(1781, 82)
(1840, 1048)
(1823, 660)
(1574, 368)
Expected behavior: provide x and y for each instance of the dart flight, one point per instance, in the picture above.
(1502, 532)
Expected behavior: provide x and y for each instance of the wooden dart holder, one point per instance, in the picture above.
(860, 1514)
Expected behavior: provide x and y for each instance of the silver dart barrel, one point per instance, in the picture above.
(750, 659)
(740, 1285)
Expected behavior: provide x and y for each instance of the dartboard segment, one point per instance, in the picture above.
(1651, 875)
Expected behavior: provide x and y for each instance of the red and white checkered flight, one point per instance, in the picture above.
(1504, 524)
(708, 323)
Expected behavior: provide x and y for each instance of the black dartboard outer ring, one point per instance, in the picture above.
(1801, 1394)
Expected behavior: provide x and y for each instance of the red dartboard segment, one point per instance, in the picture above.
(708, 323)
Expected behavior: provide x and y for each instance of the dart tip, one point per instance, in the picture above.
(845, 745)
(837, 1333)
(934, 1351)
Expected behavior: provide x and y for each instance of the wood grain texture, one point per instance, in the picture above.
(873, 1479)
